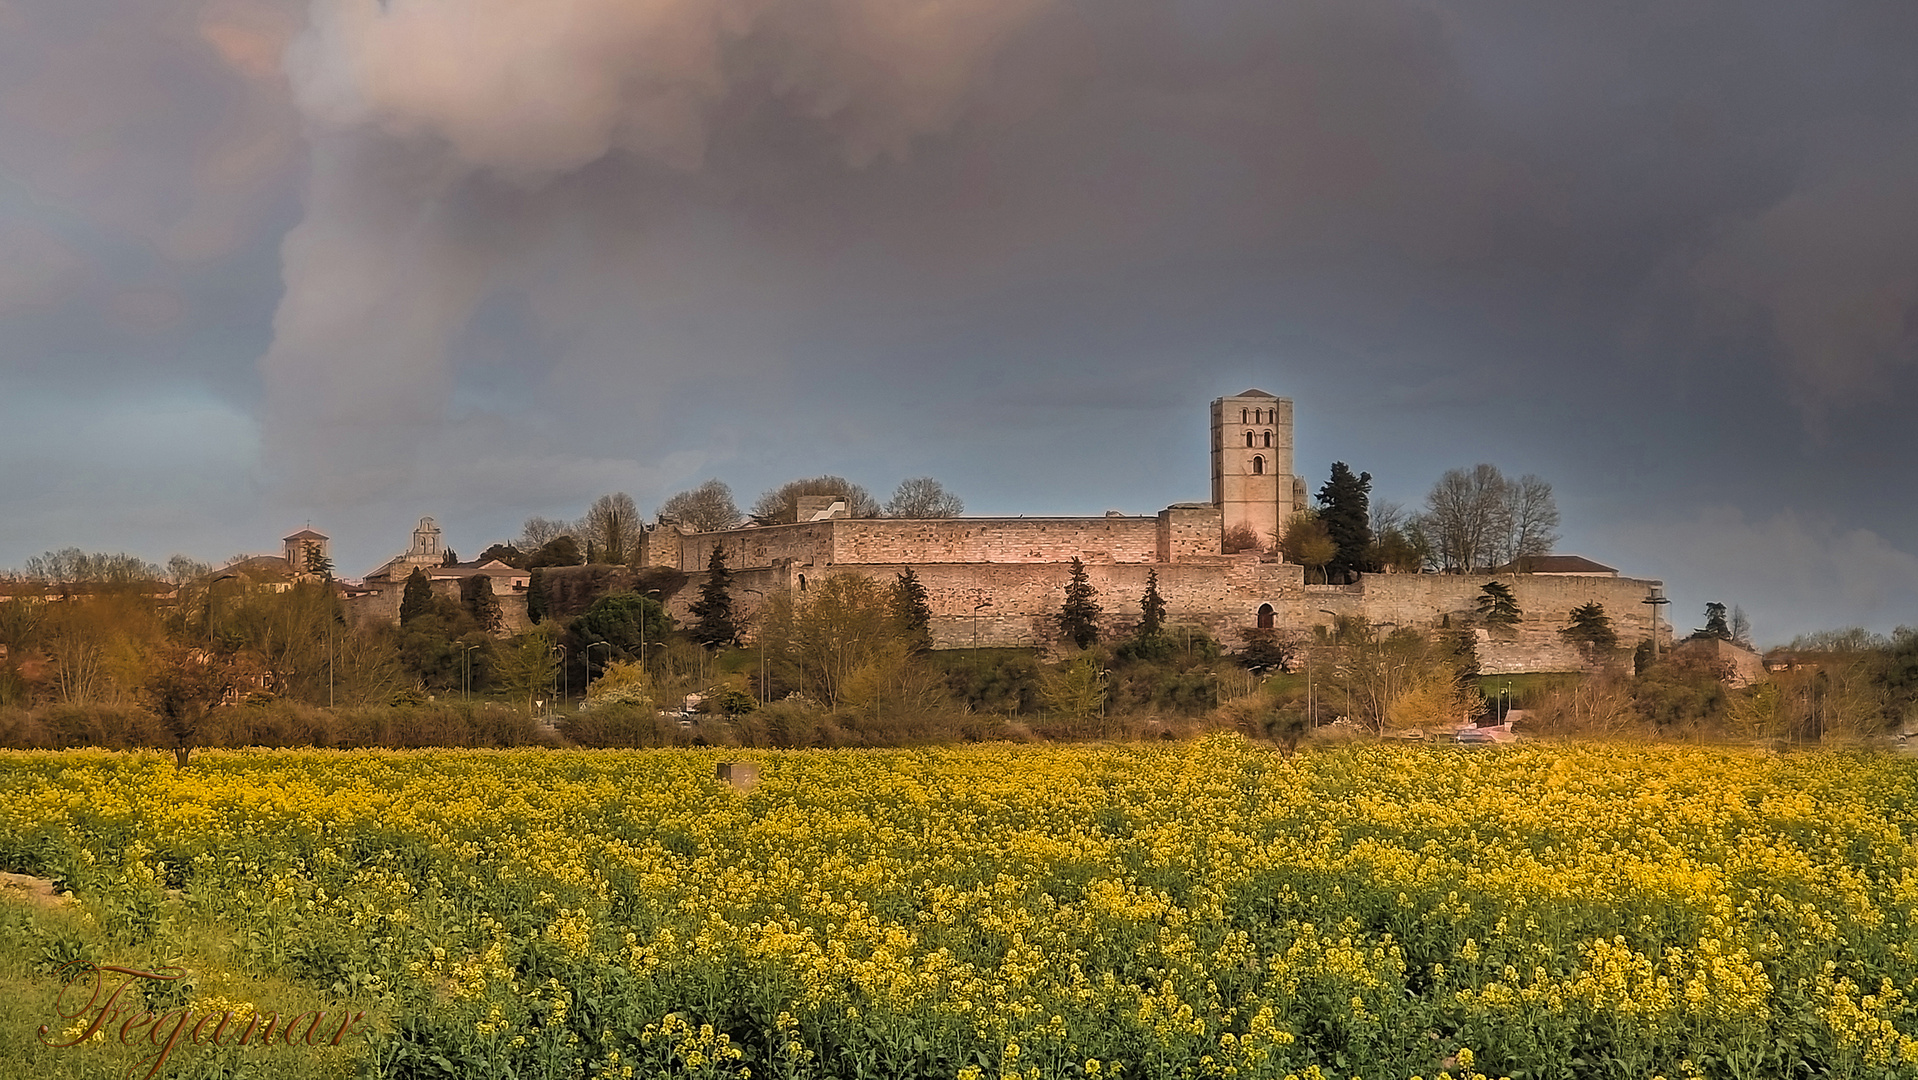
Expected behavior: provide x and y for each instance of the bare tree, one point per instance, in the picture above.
(923, 497)
(706, 508)
(540, 531)
(1476, 519)
(612, 525)
(1533, 515)
(1462, 516)
(184, 569)
(780, 506)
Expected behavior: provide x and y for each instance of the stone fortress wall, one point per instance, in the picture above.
(1001, 581)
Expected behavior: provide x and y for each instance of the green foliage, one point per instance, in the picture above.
(1076, 690)
(1079, 617)
(316, 560)
(1715, 624)
(476, 594)
(715, 625)
(912, 611)
(1591, 626)
(1151, 606)
(1345, 510)
(1308, 543)
(992, 680)
(184, 686)
(505, 553)
(528, 669)
(1267, 649)
(417, 599)
(561, 550)
(1497, 606)
(623, 621)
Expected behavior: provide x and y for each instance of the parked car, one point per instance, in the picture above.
(1473, 737)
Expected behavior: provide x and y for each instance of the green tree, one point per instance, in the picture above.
(561, 550)
(1079, 617)
(528, 668)
(450, 559)
(1345, 510)
(1307, 543)
(183, 688)
(417, 600)
(476, 593)
(506, 553)
(1076, 692)
(912, 611)
(1715, 624)
(716, 624)
(1590, 625)
(625, 621)
(1151, 607)
(316, 561)
(1497, 606)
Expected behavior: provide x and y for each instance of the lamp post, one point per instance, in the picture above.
(1656, 599)
(642, 635)
(466, 659)
(565, 686)
(980, 600)
(588, 654)
(759, 640)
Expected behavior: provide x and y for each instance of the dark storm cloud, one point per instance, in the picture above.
(1664, 254)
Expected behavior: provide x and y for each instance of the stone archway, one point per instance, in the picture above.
(1265, 616)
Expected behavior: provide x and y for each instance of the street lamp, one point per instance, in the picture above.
(1657, 600)
(642, 635)
(759, 639)
(466, 658)
(564, 685)
(981, 601)
(609, 655)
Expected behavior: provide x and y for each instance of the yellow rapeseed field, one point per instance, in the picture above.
(1201, 910)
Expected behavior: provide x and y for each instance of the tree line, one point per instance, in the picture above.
(1473, 521)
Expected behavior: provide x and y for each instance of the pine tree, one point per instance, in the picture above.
(1715, 625)
(451, 558)
(1590, 624)
(1497, 606)
(1345, 510)
(316, 561)
(476, 593)
(1079, 618)
(417, 600)
(912, 610)
(714, 608)
(1151, 606)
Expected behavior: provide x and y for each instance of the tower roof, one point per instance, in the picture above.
(1256, 393)
(308, 534)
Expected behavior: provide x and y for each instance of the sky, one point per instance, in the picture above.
(266, 263)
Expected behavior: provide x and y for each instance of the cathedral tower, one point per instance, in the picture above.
(1252, 481)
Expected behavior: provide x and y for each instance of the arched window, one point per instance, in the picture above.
(1265, 616)
(1243, 413)
(1258, 466)
(1248, 438)
(802, 583)
(1268, 438)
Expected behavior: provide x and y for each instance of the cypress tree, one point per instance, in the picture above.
(1151, 606)
(912, 610)
(1079, 618)
(1345, 508)
(714, 608)
(417, 600)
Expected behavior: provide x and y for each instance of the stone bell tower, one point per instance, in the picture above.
(1252, 481)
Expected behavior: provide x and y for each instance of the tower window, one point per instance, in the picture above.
(1268, 438)
(1258, 466)
(1243, 413)
(1248, 438)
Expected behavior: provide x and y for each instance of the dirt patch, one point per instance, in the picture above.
(34, 890)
